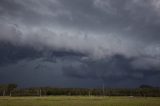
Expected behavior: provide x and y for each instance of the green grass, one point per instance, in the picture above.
(78, 101)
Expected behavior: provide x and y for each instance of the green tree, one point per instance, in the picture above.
(11, 87)
(3, 90)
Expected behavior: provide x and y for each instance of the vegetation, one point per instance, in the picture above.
(43, 96)
(79, 101)
(7, 89)
(143, 91)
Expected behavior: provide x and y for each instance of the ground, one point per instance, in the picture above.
(79, 101)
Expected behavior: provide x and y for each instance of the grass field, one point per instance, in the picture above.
(78, 101)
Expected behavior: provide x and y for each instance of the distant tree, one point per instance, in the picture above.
(3, 89)
(11, 87)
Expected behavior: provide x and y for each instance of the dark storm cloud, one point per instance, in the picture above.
(116, 67)
(92, 39)
(11, 54)
(112, 71)
(120, 21)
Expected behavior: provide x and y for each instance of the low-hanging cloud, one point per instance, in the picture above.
(98, 29)
(90, 44)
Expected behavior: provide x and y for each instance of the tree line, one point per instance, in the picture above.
(7, 89)
(143, 90)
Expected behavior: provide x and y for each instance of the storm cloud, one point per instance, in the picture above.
(95, 40)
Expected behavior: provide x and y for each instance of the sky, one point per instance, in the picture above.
(80, 43)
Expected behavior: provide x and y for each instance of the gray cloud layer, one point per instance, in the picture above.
(98, 29)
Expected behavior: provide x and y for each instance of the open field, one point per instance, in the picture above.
(79, 101)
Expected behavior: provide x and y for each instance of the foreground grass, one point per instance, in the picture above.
(78, 101)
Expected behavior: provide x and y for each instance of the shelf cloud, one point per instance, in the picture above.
(93, 39)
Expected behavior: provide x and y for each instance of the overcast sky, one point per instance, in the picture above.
(80, 43)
